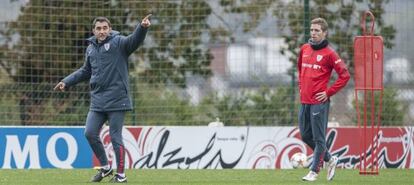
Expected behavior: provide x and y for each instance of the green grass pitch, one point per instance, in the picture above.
(205, 177)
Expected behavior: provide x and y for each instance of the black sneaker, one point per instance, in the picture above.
(118, 179)
(102, 173)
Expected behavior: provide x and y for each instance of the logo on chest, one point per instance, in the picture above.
(107, 46)
(319, 58)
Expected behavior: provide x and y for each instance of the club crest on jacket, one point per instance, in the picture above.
(107, 46)
(319, 58)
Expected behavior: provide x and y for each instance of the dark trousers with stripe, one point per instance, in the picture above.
(94, 123)
(313, 122)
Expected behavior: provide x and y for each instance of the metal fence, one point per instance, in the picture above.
(202, 59)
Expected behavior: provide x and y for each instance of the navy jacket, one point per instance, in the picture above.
(106, 68)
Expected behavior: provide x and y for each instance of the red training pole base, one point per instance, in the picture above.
(368, 172)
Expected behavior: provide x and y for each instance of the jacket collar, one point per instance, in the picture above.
(320, 45)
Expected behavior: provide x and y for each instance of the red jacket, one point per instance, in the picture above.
(314, 70)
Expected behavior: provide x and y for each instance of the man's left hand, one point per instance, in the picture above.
(146, 22)
(321, 96)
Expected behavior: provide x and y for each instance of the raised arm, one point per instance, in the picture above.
(132, 41)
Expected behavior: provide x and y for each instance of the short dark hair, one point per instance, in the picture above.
(101, 19)
(322, 22)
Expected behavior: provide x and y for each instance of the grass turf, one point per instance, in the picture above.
(205, 177)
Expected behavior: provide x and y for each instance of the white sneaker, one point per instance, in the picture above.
(331, 168)
(311, 176)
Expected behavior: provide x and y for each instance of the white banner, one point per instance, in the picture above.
(207, 147)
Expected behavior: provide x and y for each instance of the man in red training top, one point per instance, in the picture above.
(315, 64)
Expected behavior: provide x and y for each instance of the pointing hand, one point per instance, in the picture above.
(60, 87)
(146, 22)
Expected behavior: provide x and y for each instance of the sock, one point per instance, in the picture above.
(121, 175)
(106, 167)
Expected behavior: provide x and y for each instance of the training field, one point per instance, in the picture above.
(205, 177)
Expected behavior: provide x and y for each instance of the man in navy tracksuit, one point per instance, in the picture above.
(106, 68)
